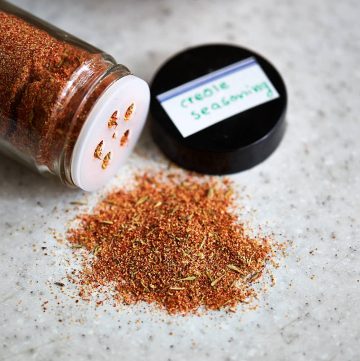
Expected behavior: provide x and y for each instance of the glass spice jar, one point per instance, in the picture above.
(66, 107)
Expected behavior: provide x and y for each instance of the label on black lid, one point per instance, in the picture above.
(214, 97)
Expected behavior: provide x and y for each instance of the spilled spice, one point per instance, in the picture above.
(174, 240)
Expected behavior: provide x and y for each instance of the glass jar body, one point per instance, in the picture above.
(49, 82)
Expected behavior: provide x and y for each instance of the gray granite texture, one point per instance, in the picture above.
(307, 191)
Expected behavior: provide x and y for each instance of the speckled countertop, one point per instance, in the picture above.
(309, 191)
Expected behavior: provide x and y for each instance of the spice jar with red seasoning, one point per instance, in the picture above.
(66, 107)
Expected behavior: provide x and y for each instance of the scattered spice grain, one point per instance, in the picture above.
(172, 239)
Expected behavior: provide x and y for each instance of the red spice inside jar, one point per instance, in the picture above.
(41, 86)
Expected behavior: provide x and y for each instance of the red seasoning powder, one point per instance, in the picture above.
(172, 240)
(35, 69)
(49, 82)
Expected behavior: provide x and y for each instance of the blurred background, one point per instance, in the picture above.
(304, 39)
(308, 191)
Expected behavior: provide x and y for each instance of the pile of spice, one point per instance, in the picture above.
(171, 239)
(41, 81)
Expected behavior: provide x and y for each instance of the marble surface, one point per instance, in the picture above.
(308, 191)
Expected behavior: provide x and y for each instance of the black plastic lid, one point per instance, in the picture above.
(229, 118)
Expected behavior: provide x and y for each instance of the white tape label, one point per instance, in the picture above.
(214, 97)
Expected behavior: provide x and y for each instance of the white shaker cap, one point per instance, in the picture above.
(110, 132)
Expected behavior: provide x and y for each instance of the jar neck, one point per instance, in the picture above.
(86, 87)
